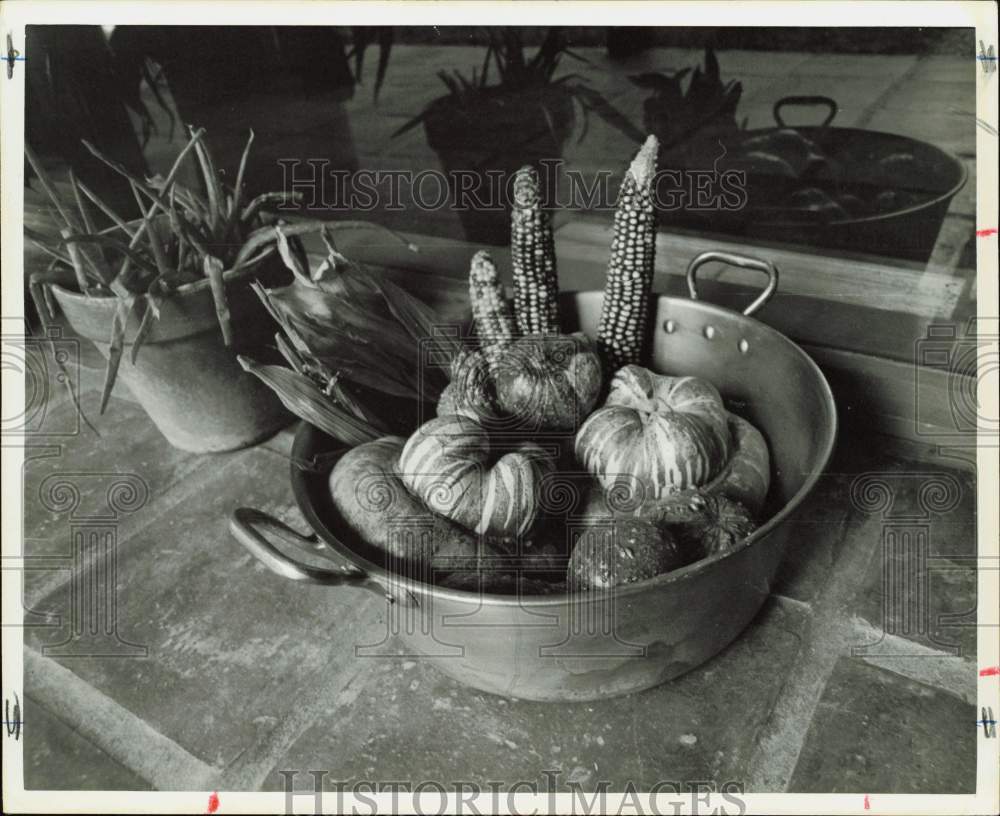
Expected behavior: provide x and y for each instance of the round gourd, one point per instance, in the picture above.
(746, 477)
(703, 523)
(655, 433)
(470, 392)
(622, 552)
(548, 382)
(448, 463)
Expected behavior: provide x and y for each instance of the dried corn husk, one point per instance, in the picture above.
(302, 397)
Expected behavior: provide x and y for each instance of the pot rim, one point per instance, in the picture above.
(184, 290)
(963, 177)
(399, 581)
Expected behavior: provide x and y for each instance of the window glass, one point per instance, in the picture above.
(845, 155)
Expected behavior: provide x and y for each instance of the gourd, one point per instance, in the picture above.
(655, 433)
(450, 464)
(470, 392)
(705, 523)
(621, 552)
(377, 506)
(548, 382)
(746, 478)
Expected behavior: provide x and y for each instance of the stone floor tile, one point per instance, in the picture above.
(820, 525)
(877, 732)
(413, 723)
(58, 758)
(66, 480)
(232, 649)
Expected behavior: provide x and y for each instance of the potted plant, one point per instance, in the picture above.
(166, 298)
(697, 116)
(525, 115)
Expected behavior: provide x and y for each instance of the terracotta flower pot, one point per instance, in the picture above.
(185, 378)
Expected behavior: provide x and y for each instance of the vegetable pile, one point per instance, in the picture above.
(554, 461)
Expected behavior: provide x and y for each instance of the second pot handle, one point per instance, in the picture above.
(824, 101)
(246, 524)
(741, 261)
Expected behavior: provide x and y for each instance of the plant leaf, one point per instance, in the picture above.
(114, 352)
(238, 189)
(302, 397)
(47, 186)
(213, 271)
(145, 327)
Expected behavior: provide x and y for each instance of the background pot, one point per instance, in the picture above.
(185, 378)
(504, 131)
(906, 226)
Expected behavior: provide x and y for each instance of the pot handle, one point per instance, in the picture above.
(741, 261)
(825, 101)
(244, 524)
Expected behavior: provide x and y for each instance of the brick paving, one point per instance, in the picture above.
(245, 674)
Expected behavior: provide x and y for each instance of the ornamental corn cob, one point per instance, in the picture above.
(533, 258)
(622, 327)
(491, 312)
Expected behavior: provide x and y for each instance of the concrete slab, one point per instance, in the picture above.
(232, 649)
(56, 757)
(412, 723)
(875, 732)
(922, 586)
(67, 480)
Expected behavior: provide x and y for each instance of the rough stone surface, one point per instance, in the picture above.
(413, 723)
(69, 480)
(231, 646)
(877, 732)
(58, 758)
(922, 585)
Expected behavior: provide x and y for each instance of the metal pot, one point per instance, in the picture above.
(906, 226)
(590, 645)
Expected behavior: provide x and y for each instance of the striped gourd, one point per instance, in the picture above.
(655, 434)
(491, 313)
(471, 391)
(513, 492)
(443, 463)
(533, 258)
(622, 328)
(447, 465)
(548, 382)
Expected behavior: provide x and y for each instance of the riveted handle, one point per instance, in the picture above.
(246, 524)
(741, 261)
(810, 101)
